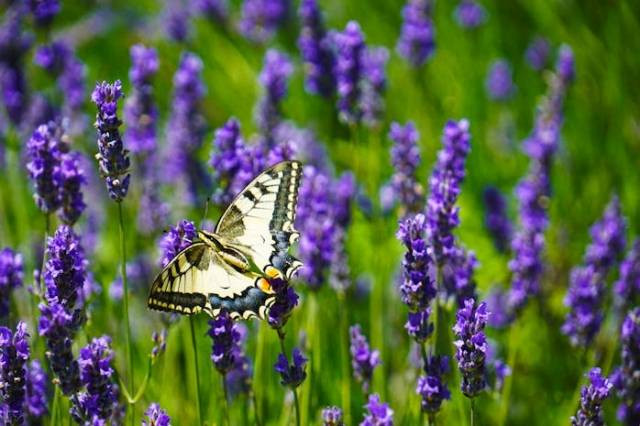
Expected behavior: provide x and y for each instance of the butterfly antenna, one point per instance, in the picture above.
(206, 211)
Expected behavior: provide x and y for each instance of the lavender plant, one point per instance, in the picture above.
(591, 398)
(14, 354)
(11, 277)
(315, 50)
(625, 378)
(416, 43)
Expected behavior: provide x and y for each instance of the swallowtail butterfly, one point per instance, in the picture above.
(230, 268)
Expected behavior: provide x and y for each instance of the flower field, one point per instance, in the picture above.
(443, 229)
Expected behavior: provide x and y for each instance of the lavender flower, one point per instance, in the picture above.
(44, 167)
(445, 181)
(71, 181)
(225, 337)
(418, 288)
(607, 238)
(591, 399)
(97, 403)
(293, 374)
(431, 386)
(497, 304)
(177, 239)
(37, 384)
(363, 359)
(44, 11)
(113, 158)
(470, 14)
(260, 19)
(274, 76)
(471, 346)
(140, 111)
(378, 413)
(626, 378)
(373, 84)
(496, 219)
(405, 158)
(65, 270)
(159, 343)
(238, 378)
(177, 20)
(499, 82)
(285, 300)
(627, 287)
(14, 353)
(348, 70)
(156, 416)
(537, 53)
(332, 416)
(315, 49)
(457, 275)
(11, 276)
(565, 64)
(416, 43)
(215, 10)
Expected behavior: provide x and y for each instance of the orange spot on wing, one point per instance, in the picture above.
(264, 285)
(272, 272)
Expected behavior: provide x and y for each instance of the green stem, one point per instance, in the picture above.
(54, 406)
(197, 370)
(225, 394)
(511, 362)
(125, 305)
(431, 419)
(295, 394)
(256, 413)
(471, 413)
(344, 348)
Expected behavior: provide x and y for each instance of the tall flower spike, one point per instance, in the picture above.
(470, 14)
(405, 158)
(315, 49)
(112, 157)
(65, 270)
(471, 346)
(496, 219)
(332, 416)
(373, 84)
(591, 398)
(416, 43)
(607, 237)
(11, 276)
(36, 390)
(627, 287)
(378, 413)
(293, 374)
(431, 386)
(499, 81)
(71, 181)
(44, 11)
(626, 378)
(177, 16)
(260, 19)
(537, 53)
(177, 239)
(238, 378)
(156, 416)
(43, 153)
(349, 46)
(363, 359)
(285, 300)
(225, 337)
(98, 402)
(14, 353)
(274, 78)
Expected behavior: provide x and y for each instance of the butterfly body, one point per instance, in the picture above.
(231, 267)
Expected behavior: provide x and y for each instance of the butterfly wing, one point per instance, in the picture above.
(261, 218)
(198, 280)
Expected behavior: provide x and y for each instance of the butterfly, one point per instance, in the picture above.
(231, 267)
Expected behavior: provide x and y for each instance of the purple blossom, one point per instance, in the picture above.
(373, 84)
(215, 10)
(178, 238)
(315, 49)
(496, 219)
(238, 378)
(627, 287)
(471, 346)
(349, 46)
(156, 416)
(37, 384)
(285, 300)
(498, 305)
(159, 340)
(446, 178)
(112, 157)
(378, 413)
(457, 275)
(431, 387)
(44, 11)
(43, 153)
(499, 83)
(405, 158)
(417, 288)
(565, 64)
(470, 14)
(99, 401)
(260, 19)
(537, 53)
(607, 238)
(65, 270)
(591, 398)
(416, 43)
(274, 77)
(626, 378)
(176, 19)
(363, 359)
(11, 276)
(293, 374)
(332, 416)
(14, 353)
(71, 181)
(225, 337)
(418, 325)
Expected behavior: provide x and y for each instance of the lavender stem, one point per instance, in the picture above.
(197, 370)
(293, 389)
(225, 394)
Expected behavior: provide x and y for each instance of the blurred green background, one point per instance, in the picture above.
(599, 155)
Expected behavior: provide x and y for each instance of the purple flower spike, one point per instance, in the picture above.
(470, 14)
(238, 378)
(315, 49)
(378, 413)
(99, 401)
(431, 386)
(363, 359)
(65, 270)
(565, 65)
(499, 82)
(591, 399)
(373, 84)
(537, 54)
(71, 183)
(293, 374)
(285, 300)
(36, 390)
(496, 219)
(43, 153)
(627, 287)
(332, 416)
(626, 378)
(14, 353)
(348, 70)
(607, 237)
(405, 158)
(11, 276)
(177, 239)
(226, 338)
(44, 11)
(261, 18)
(156, 416)
(113, 158)
(416, 43)
(216, 11)
(274, 78)
(471, 346)
(177, 16)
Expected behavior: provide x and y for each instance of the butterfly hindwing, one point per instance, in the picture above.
(261, 218)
